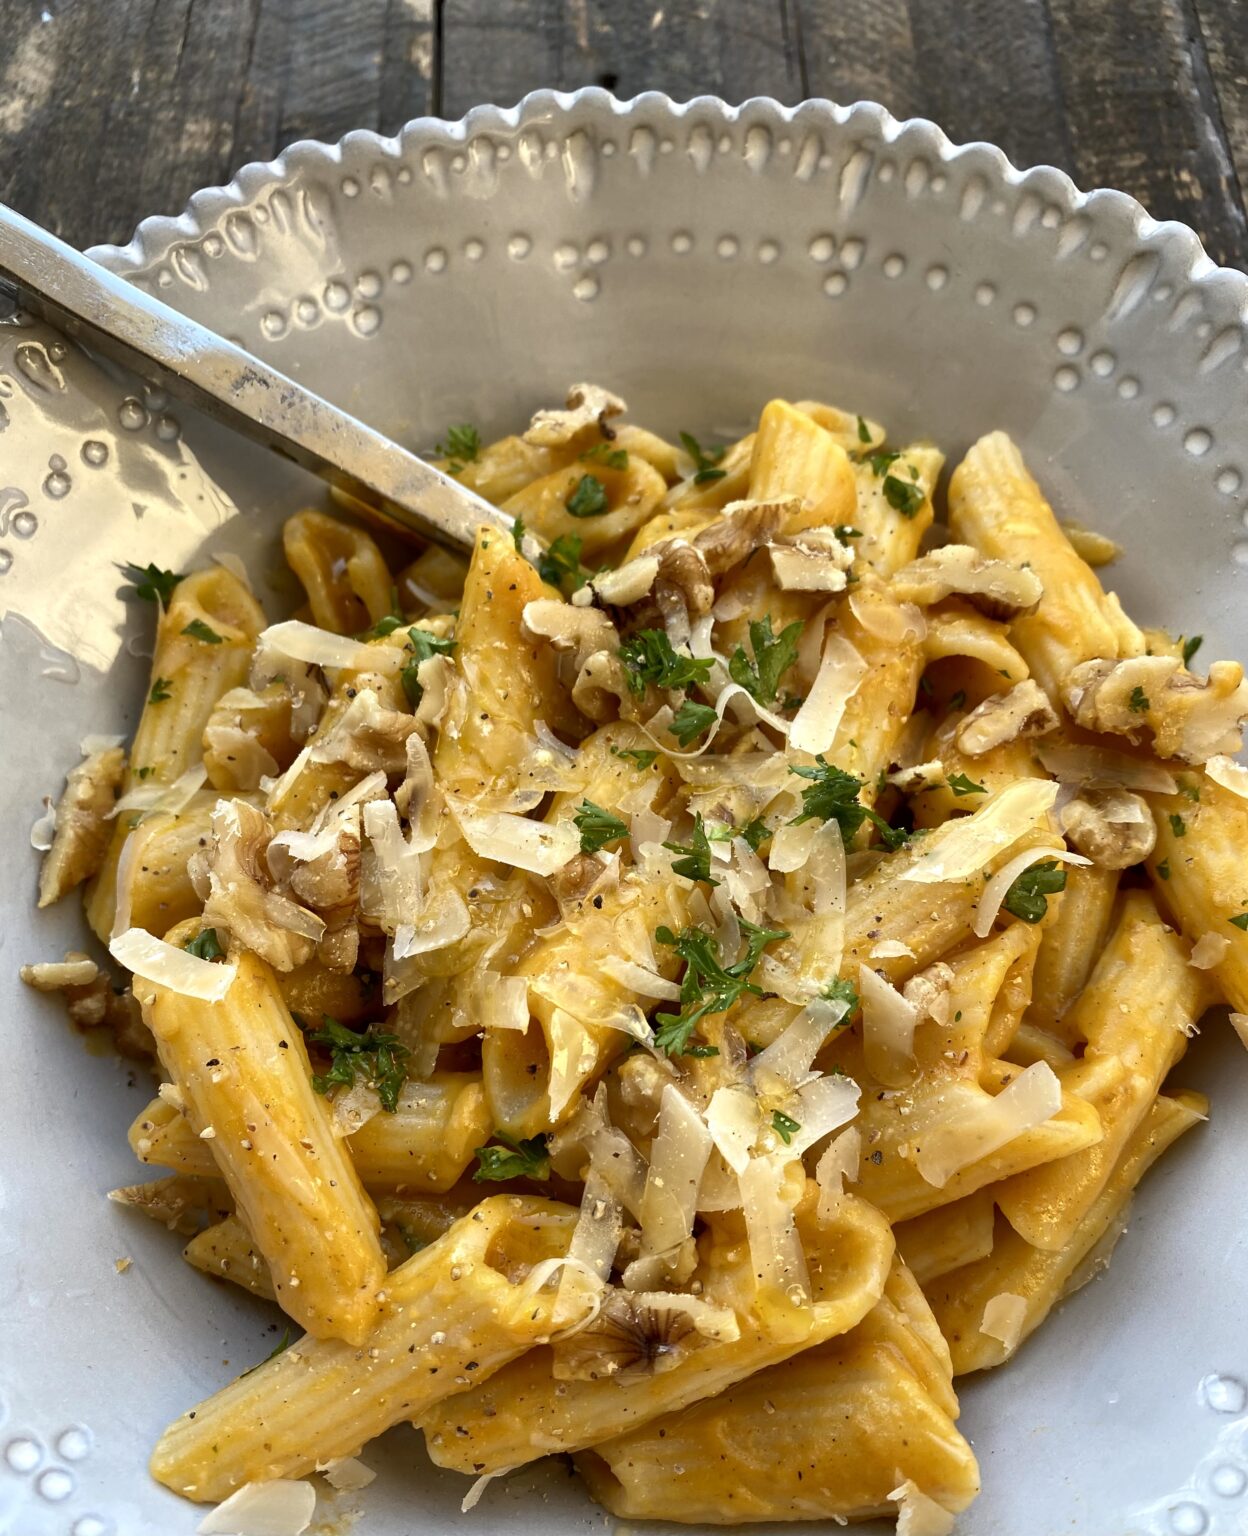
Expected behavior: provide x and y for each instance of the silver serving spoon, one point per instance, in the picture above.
(233, 386)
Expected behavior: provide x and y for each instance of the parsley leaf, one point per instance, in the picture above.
(755, 833)
(841, 990)
(1026, 897)
(904, 496)
(1138, 701)
(881, 460)
(161, 690)
(696, 864)
(374, 1056)
(561, 561)
(705, 461)
(424, 645)
(833, 796)
(846, 531)
(384, 626)
(198, 630)
(527, 1159)
(282, 1344)
(1163, 870)
(1190, 646)
(146, 771)
(517, 533)
(864, 431)
(205, 946)
(960, 784)
(597, 827)
(958, 699)
(1240, 922)
(151, 583)
(690, 721)
(708, 986)
(648, 657)
(603, 453)
(1177, 825)
(462, 446)
(639, 758)
(773, 656)
(588, 499)
(784, 1125)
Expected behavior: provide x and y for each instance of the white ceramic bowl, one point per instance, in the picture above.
(699, 259)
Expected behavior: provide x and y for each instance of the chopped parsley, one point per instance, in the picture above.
(841, 990)
(282, 1344)
(161, 690)
(527, 1159)
(603, 453)
(597, 827)
(1190, 646)
(384, 626)
(1240, 922)
(198, 630)
(373, 1056)
(846, 531)
(517, 533)
(833, 796)
(1026, 898)
(562, 561)
(960, 784)
(1177, 825)
(773, 656)
(705, 461)
(1163, 870)
(648, 657)
(588, 498)
(690, 721)
(754, 832)
(1138, 701)
(864, 431)
(462, 446)
(958, 699)
(881, 461)
(424, 645)
(205, 946)
(151, 583)
(640, 758)
(1190, 791)
(696, 863)
(784, 1125)
(708, 986)
(904, 496)
(146, 771)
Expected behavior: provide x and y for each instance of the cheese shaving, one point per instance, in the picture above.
(962, 848)
(734, 1121)
(1229, 774)
(170, 798)
(1004, 1315)
(888, 1024)
(1102, 765)
(837, 1167)
(534, 846)
(1239, 1023)
(678, 1155)
(280, 1507)
(787, 1060)
(712, 1322)
(790, 846)
(995, 891)
(890, 621)
(167, 966)
(573, 1056)
(638, 978)
(347, 1474)
(504, 1001)
(820, 1107)
(473, 1497)
(975, 1131)
(1209, 950)
(776, 1252)
(321, 648)
(841, 670)
(917, 1515)
(890, 949)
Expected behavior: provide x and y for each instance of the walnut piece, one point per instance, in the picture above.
(92, 1002)
(587, 405)
(82, 831)
(995, 587)
(1189, 718)
(1112, 827)
(1002, 717)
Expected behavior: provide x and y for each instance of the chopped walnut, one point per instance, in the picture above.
(367, 736)
(1188, 718)
(601, 689)
(235, 753)
(584, 631)
(587, 405)
(1112, 827)
(929, 992)
(995, 587)
(242, 897)
(1002, 717)
(814, 561)
(92, 1002)
(913, 780)
(83, 830)
(184, 1203)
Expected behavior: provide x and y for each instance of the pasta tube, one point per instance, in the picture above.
(1070, 945)
(243, 1069)
(795, 456)
(454, 1312)
(342, 571)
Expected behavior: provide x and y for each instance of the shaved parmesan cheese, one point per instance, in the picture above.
(573, 1056)
(803, 570)
(584, 630)
(996, 890)
(921, 776)
(917, 1515)
(888, 1023)
(977, 1130)
(638, 978)
(504, 1001)
(599, 1227)
(963, 847)
(1209, 950)
(393, 877)
(727, 695)
(820, 1107)
(678, 1155)
(1102, 765)
(1239, 1023)
(776, 1252)
(347, 1474)
(170, 798)
(167, 966)
(44, 828)
(837, 1167)
(1229, 774)
(790, 846)
(473, 1497)
(90, 745)
(734, 1121)
(353, 1107)
(444, 921)
(321, 648)
(534, 846)
(841, 670)
(282, 1507)
(1003, 1319)
(887, 620)
(786, 1061)
(890, 949)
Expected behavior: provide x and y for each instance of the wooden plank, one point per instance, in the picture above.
(731, 48)
(1143, 115)
(1224, 29)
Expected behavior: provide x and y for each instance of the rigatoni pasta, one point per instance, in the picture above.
(675, 985)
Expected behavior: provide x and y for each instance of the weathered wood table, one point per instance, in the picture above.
(114, 109)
